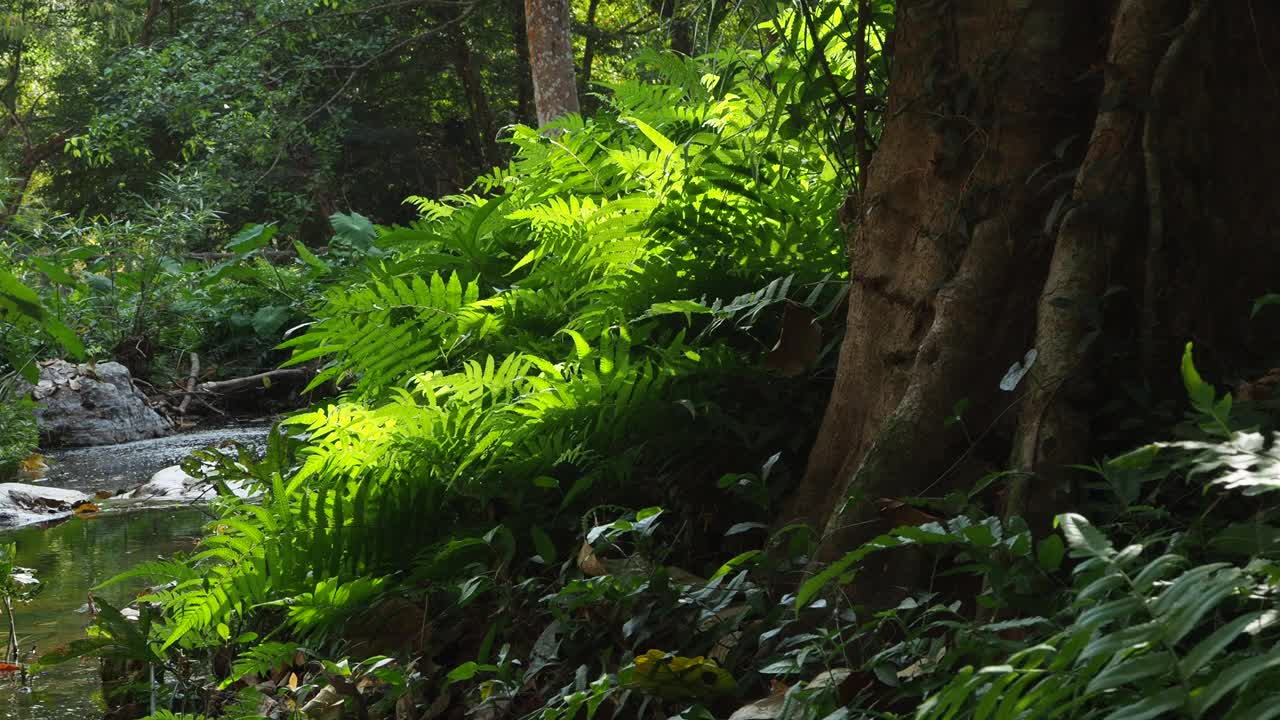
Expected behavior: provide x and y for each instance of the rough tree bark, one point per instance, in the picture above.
(1009, 193)
(555, 87)
(1053, 422)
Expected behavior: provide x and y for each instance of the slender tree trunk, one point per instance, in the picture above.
(1001, 209)
(18, 190)
(524, 75)
(473, 87)
(592, 34)
(9, 94)
(678, 30)
(27, 166)
(681, 30)
(149, 22)
(555, 88)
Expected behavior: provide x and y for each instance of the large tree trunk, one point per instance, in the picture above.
(1009, 193)
(555, 87)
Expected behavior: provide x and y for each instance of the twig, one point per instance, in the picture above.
(11, 652)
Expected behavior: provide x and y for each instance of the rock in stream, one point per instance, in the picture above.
(92, 404)
(25, 504)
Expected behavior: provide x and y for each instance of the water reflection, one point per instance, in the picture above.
(69, 559)
(72, 557)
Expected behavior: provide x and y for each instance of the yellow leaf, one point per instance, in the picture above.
(674, 676)
(33, 467)
(34, 463)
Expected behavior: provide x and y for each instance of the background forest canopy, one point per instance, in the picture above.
(157, 130)
(786, 363)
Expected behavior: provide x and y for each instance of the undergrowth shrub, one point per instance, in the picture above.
(19, 435)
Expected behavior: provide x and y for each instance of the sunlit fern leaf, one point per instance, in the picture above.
(390, 328)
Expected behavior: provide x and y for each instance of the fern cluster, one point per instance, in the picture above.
(532, 326)
(569, 327)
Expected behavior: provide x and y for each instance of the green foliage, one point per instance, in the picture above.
(539, 346)
(19, 435)
(375, 328)
(134, 291)
(599, 236)
(113, 636)
(589, 325)
(261, 659)
(1148, 635)
(589, 243)
(22, 313)
(539, 379)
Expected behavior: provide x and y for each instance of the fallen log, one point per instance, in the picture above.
(273, 256)
(264, 379)
(277, 257)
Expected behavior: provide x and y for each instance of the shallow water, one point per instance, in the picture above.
(72, 557)
(69, 559)
(113, 467)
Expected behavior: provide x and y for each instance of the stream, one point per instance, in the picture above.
(71, 557)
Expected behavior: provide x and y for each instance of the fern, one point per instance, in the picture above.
(330, 602)
(261, 659)
(523, 334)
(156, 570)
(1246, 461)
(388, 329)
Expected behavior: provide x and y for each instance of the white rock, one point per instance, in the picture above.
(173, 483)
(24, 576)
(170, 482)
(27, 504)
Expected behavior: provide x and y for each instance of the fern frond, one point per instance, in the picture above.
(390, 328)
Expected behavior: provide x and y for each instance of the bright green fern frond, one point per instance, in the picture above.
(391, 328)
